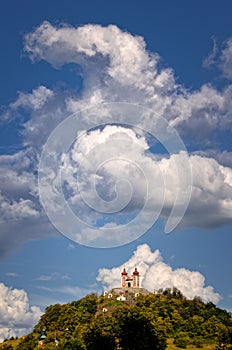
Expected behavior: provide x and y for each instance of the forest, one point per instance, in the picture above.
(166, 319)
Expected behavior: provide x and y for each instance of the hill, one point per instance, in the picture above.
(155, 321)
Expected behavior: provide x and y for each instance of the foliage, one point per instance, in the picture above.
(101, 334)
(136, 331)
(27, 343)
(182, 339)
(7, 346)
(144, 323)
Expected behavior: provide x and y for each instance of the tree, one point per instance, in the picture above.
(101, 334)
(182, 340)
(7, 347)
(135, 331)
(71, 344)
(89, 303)
(28, 343)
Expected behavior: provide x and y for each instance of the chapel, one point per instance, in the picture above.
(130, 281)
(130, 287)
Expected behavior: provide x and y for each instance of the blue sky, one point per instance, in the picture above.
(174, 58)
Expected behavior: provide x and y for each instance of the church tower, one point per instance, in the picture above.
(136, 279)
(130, 287)
(130, 281)
(123, 278)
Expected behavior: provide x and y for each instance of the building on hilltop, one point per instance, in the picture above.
(130, 281)
(130, 287)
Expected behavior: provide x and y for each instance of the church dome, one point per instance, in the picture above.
(124, 273)
(136, 272)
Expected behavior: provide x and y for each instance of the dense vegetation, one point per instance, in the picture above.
(97, 323)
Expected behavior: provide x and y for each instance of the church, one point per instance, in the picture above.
(130, 281)
(130, 287)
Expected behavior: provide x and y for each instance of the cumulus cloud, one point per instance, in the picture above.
(116, 66)
(211, 193)
(17, 317)
(211, 199)
(224, 158)
(34, 100)
(18, 189)
(129, 61)
(17, 210)
(125, 70)
(156, 274)
(203, 116)
(21, 216)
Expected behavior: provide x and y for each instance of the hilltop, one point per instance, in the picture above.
(154, 321)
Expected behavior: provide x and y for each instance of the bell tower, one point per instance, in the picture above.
(136, 279)
(123, 278)
(130, 281)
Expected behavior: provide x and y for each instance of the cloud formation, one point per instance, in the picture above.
(125, 71)
(116, 66)
(129, 62)
(17, 317)
(156, 274)
(211, 198)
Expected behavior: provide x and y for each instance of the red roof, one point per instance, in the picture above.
(124, 272)
(136, 272)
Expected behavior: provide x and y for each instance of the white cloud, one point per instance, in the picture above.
(206, 101)
(18, 188)
(17, 317)
(16, 210)
(125, 71)
(211, 199)
(226, 59)
(116, 66)
(34, 100)
(199, 114)
(156, 274)
(129, 61)
(116, 175)
(17, 177)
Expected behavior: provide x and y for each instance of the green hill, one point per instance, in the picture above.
(156, 321)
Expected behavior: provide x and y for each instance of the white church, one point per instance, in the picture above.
(130, 287)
